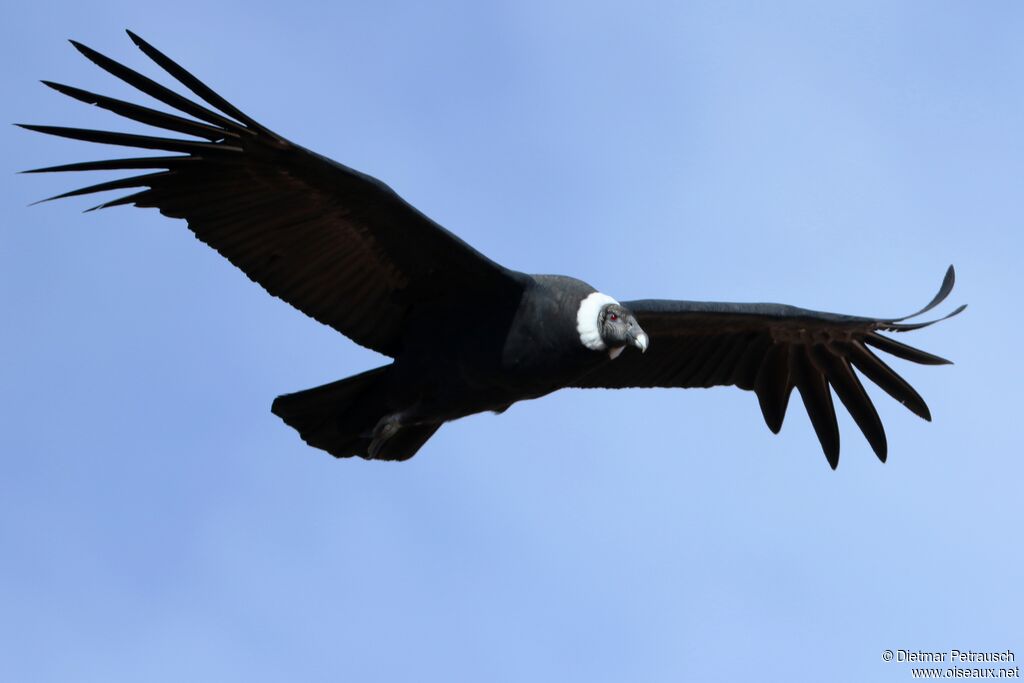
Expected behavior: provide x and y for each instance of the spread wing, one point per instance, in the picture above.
(336, 244)
(770, 349)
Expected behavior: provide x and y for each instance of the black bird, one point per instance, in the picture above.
(466, 334)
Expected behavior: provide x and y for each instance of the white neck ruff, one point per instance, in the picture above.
(588, 320)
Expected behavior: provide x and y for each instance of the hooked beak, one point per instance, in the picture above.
(640, 339)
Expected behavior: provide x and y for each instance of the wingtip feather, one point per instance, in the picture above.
(203, 91)
(84, 49)
(948, 281)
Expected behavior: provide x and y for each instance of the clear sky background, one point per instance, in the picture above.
(157, 523)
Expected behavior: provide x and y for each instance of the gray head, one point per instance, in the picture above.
(619, 328)
(606, 325)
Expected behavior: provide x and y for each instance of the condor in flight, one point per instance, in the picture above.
(466, 334)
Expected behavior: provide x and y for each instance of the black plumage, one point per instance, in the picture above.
(466, 334)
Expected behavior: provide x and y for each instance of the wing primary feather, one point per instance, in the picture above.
(120, 201)
(901, 350)
(886, 378)
(851, 392)
(195, 85)
(155, 90)
(813, 388)
(130, 140)
(150, 117)
(906, 327)
(119, 164)
(774, 385)
(119, 184)
(944, 289)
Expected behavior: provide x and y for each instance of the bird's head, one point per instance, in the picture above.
(619, 328)
(606, 325)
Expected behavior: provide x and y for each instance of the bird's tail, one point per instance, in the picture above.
(340, 418)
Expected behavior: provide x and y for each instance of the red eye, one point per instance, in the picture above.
(613, 317)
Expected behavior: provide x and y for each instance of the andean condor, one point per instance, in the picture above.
(345, 249)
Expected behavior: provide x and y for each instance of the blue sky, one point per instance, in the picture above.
(158, 523)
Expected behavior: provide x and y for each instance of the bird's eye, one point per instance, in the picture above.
(613, 317)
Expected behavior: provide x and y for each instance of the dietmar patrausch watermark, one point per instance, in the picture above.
(956, 663)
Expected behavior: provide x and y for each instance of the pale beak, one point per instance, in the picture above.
(641, 341)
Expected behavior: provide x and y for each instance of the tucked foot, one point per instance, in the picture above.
(387, 427)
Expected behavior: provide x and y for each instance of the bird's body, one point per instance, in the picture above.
(505, 350)
(466, 334)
